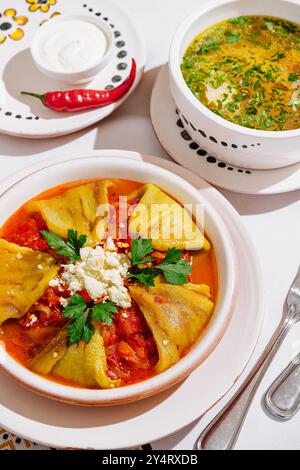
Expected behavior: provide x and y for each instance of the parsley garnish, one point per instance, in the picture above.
(69, 247)
(104, 312)
(81, 314)
(277, 56)
(232, 37)
(144, 276)
(239, 20)
(174, 269)
(140, 249)
(293, 76)
(258, 62)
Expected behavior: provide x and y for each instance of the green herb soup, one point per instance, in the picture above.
(247, 70)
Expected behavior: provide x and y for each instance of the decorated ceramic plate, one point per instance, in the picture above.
(168, 125)
(61, 425)
(19, 21)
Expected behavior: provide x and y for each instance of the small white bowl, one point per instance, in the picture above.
(232, 143)
(82, 75)
(116, 165)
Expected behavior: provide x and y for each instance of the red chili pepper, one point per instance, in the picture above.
(80, 100)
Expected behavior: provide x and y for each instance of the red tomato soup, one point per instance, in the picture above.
(130, 347)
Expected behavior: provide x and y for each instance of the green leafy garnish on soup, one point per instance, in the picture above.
(82, 313)
(247, 70)
(69, 247)
(173, 267)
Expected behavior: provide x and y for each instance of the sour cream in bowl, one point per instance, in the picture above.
(72, 49)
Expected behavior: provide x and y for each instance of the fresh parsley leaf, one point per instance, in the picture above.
(81, 314)
(208, 46)
(75, 308)
(88, 329)
(139, 249)
(293, 77)
(105, 312)
(232, 37)
(57, 243)
(69, 247)
(144, 276)
(75, 242)
(176, 273)
(76, 328)
(239, 20)
(277, 56)
(172, 256)
(173, 267)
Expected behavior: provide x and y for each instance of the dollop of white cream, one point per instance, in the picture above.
(72, 45)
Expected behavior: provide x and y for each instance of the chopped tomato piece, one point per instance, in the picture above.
(84, 294)
(27, 233)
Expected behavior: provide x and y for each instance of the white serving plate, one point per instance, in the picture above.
(60, 425)
(24, 116)
(178, 143)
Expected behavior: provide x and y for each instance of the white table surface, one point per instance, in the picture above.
(273, 221)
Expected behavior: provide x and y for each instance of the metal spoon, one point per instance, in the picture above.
(223, 431)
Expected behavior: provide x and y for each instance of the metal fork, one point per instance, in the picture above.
(223, 431)
(282, 399)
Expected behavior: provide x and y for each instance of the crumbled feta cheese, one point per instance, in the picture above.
(120, 296)
(110, 246)
(165, 342)
(54, 355)
(54, 282)
(101, 271)
(40, 266)
(19, 256)
(95, 286)
(64, 302)
(33, 320)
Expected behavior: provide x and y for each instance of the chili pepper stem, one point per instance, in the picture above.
(35, 95)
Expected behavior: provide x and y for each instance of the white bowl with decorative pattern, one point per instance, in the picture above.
(82, 75)
(232, 143)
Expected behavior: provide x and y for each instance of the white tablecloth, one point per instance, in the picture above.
(273, 221)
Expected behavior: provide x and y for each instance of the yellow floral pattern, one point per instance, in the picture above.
(42, 5)
(56, 13)
(9, 25)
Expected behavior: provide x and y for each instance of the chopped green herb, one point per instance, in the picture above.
(244, 56)
(277, 56)
(81, 314)
(232, 38)
(293, 77)
(177, 272)
(144, 276)
(139, 249)
(75, 308)
(174, 269)
(69, 247)
(239, 20)
(104, 312)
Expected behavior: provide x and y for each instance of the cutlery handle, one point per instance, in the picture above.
(223, 431)
(282, 399)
